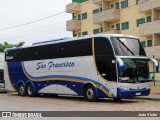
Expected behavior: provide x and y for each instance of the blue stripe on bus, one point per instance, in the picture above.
(66, 76)
(23, 77)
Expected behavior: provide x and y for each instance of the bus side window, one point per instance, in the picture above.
(104, 56)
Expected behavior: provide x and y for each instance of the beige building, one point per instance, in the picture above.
(139, 18)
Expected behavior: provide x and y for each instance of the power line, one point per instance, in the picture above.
(39, 19)
(32, 21)
(91, 18)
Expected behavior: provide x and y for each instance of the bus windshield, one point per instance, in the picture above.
(127, 46)
(135, 70)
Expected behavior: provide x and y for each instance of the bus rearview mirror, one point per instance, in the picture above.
(121, 64)
(155, 63)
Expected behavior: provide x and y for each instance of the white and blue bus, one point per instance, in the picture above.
(99, 66)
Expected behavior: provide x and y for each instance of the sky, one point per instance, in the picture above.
(17, 12)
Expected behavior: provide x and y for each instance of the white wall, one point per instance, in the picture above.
(1, 59)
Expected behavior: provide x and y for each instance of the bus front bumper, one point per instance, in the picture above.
(121, 93)
(2, 90)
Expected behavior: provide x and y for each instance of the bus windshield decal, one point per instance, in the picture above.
(51, 64)
(9, 57)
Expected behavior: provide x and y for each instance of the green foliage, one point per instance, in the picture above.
(79, 1)
(5, 45)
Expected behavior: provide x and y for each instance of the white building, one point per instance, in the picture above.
(1, 60)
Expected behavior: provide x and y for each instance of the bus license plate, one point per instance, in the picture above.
(138, 93)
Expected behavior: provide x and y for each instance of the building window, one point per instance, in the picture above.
(137, 2)
(149, 19)
(79, 34)
(73, 16)
(140, 21)
(95, 31)
(149, 43)
(84, 16)
(79, 17)
(84, 33)
(118, 26)
(125, 25)
(100, 9)
(112, 6)
(75, 35)
(101, 29)
(112, 26)
(124, 4)
(143, 43)
(95, 11)
(117, 5)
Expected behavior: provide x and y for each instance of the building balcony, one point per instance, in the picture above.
(73, 25)
(150, 28)
(73, 7)
(109, 15)
(108, 0)
(97, 2)
(154, 50)
(112, 31)
(148, 5)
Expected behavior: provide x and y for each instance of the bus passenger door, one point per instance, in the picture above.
(106, 64)
(107, 74)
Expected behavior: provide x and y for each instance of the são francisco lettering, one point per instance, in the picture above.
(51, 64)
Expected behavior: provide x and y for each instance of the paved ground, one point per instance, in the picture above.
(9, 102)
(13, 102)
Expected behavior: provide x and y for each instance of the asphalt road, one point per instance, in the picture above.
(13, 102)
(9, 102)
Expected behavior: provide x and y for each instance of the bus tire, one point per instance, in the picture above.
(21, 90)
(30, 91)
(90, 94)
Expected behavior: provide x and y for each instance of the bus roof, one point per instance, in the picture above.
(66, 39)
(49, 41)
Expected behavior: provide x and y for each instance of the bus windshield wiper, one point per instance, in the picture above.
(125, 46)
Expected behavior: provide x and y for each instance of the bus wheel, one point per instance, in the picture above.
(30, 91)
(90, 94)
(21, 90)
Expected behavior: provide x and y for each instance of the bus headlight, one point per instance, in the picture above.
(124, 88)
(147, 87)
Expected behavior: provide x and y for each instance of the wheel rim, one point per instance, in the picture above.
(30, 90)
(21, 89)
(90, 93)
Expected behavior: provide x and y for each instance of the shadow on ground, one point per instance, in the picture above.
(80, 98)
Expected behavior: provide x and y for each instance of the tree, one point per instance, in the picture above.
(5, 45)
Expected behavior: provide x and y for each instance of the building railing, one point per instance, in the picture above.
(148, 5)
(150, 28)
(73, 7)
(72, 25)
(154, 50)
(112, 31)
(98, 2)
(108, 15)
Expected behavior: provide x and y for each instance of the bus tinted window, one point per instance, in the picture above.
(58, 50)
(104, 56)
(1, 76)
(103, 47)
(76, 48)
